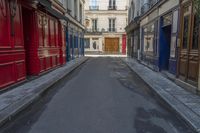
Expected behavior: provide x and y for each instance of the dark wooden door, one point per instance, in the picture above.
(189, 54)
(112, 45)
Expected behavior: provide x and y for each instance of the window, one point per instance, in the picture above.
(111, 25)
(173, 47)
(75, 9)
(150, 38)
(195, 40)
(186, 32)
(186, 25)
(95, 43)
(87, 43)
(174, 34)
(112, 5)
(93, 5)
(175, 22)
(80, 13)
(94, 25)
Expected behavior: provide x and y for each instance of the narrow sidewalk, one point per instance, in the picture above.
(184, 103)
(17, 99)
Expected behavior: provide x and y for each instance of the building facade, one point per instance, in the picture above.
(32, 38)
(105, 21)
(133, 29)
(188, 65)
(159, 32)
(75, 28)
(169, 37)
(156, 22)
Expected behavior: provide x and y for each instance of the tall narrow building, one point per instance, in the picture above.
(105, 21)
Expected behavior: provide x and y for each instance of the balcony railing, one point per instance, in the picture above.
(112, 7)
(112, 30)
(94, 7)
(93, 30)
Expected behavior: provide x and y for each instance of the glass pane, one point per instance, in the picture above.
(195, 36)
(110, 1)
(87, 43)
(185, 32)
(175, 22)
(173, 46)
(113, 23)
(114, 2)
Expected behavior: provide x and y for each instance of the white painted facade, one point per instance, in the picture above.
(74, 11)
(102, 14)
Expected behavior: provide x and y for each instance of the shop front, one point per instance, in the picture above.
(168, 34)
(133, 38)
(31, 39)
(12, 50)
(188, 65)
(149, 46)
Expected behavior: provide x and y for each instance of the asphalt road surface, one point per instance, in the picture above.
(102, 96)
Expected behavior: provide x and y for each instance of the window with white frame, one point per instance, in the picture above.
(112, 25)
(94, 5)
(94, 24)
(112, 4)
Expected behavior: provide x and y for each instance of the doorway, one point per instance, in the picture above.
(188, 67)
(112, 45)
(27, 32)
(165, 40)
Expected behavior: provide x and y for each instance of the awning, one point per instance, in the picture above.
(47, 6)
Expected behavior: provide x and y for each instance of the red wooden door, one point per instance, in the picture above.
(124, 44)
(12, 54)
(112, 45)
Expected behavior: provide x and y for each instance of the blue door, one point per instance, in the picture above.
(67, 46)
(165, 39)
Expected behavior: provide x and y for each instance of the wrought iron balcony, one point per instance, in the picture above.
(93, 30)
(112, 7)
(112, 30)
(94, 7)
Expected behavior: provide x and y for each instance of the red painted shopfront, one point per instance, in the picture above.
(31, 41)
(124, 44)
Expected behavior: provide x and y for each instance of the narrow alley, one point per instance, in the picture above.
(101, 96)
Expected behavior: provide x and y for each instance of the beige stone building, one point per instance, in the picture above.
(105, 21)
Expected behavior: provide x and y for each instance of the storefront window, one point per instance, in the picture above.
(186, 23)
(149, 40)
(173, 35)
(87, 43)
(173, 46)
(185, 32)
(175, 22)
(156, 37)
